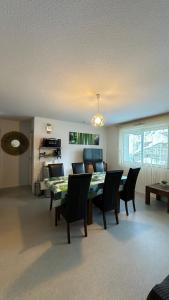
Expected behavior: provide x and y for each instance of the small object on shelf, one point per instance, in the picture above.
(57, 152)
(52, 142)
(42, 154)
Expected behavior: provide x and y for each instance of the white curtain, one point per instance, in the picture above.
(150, 173)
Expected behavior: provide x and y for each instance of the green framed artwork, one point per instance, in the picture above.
(79, 138)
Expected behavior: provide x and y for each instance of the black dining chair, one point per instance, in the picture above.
(75, 206)
(160, 291)
(110, 197)
(55, 170)
(128, 192)
(98, 166)
(78, 168)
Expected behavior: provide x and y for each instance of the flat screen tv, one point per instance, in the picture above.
(92, 155)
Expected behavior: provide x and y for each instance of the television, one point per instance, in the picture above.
(92, 155)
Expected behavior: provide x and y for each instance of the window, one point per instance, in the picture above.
(132, 147)
(147, 146)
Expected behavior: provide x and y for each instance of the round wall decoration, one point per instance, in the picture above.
(14, 143)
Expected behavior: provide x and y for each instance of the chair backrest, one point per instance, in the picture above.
(98, 166)
(78, 168)
(111, 194)
(56, 170)
(77, 197)
(130, 184)
(89, 168)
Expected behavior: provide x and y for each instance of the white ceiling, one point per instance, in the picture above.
(55, 55)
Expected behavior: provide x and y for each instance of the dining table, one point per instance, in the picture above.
(58, 187)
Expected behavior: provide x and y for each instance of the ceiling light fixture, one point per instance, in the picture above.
(98, 120)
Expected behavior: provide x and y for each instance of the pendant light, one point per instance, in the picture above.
(98, 120)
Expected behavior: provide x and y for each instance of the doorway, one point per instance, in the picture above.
(16, 170)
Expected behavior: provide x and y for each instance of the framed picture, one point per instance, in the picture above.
(78, 138)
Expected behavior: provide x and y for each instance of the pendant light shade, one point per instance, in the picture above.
(98, 120)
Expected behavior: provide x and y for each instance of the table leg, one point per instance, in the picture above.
(158, 198)
(168, 205)
(147, 196)
(89, 212)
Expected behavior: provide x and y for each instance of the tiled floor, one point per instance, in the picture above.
(123, 262)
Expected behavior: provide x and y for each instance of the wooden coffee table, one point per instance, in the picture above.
(159, 190)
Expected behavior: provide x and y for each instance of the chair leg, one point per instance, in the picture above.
(68, 233)
(104, 220)
(59, 213)
(116, 216)
(118, 206)
(85, 227)
(51, 201)
(127, 213)
(56, 216)
(134, 207)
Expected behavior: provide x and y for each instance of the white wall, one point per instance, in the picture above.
(113, 147)
(70, 153)
(14, 170)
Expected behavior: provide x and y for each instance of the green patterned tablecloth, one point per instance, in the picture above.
(59, 185)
